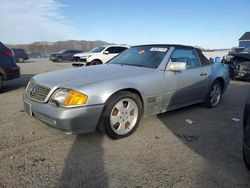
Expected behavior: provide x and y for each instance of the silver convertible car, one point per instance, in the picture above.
(143, 80)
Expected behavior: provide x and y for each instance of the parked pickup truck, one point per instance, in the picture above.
(239, 64)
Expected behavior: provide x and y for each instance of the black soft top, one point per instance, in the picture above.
(166, 45)
(203, 59)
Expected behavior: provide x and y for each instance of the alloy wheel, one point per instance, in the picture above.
(215, 95)
(124, 116)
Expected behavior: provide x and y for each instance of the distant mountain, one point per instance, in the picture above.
(60, 45)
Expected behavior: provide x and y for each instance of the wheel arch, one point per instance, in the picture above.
(95, 59)
(131, 90)
(100, 125)
(222, 81)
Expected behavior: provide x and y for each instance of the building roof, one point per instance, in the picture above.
(246, 36)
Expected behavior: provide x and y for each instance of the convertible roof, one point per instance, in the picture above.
(203, 59)
(167, 45)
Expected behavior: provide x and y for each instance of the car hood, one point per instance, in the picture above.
(79, 77)
(83, 54)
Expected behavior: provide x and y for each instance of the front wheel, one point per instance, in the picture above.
(95, 62)
(122, 114)
(214, 95)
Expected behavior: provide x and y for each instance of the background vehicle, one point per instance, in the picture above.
(246, 132)
(239, 64)
(20, 55)
(98, 55)
(66, 54)
(148, 79)
(8, 68)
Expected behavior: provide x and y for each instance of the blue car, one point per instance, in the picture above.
(8, 68)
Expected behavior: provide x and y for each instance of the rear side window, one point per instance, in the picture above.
(187, 56)
(204, 61)
(116, 50)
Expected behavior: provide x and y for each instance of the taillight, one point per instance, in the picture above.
(8, 53)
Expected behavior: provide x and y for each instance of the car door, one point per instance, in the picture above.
(68, 55)
(112, 52)
(187, 86)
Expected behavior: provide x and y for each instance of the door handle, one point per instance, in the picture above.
(203, 74)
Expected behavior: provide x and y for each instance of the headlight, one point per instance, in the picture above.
(85, 57)
(67, 97)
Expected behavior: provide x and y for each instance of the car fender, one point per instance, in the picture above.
(107, 90)
(95, 57)
(220, 71)
(100, 92)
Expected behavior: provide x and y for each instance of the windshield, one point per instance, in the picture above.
(143, 56)
(62, 51)
(97, 49)
(246, 50)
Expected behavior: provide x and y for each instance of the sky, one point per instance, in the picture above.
(205, 23)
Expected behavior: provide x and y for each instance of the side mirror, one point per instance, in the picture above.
(177, 66)
(106, 52)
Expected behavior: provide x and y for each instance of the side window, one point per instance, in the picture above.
(111, 50)
(120, 49)
(187, 56)
(116, 50)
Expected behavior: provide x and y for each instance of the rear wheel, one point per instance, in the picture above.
(122, 114)
(59, 59)
(214, 95)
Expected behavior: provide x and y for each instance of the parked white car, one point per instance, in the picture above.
(98, 55)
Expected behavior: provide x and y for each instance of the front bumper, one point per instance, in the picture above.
(79, 64)
(52, 58)
(70, 120)
(243, 75)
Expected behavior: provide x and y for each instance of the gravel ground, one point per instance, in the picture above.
(165, 151)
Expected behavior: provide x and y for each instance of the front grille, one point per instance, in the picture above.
(78, 59)
(37, 92)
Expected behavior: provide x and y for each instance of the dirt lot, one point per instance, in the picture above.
(156, 155)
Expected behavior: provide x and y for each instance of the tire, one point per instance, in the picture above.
(122, 115)
(59, 59)
(246, 139)
(245, 159)
(20, 59)
(213, 99)
(1, 82)
(95, 62)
